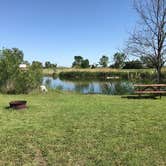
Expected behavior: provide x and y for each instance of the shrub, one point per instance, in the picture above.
(13, 80)
(135, 64)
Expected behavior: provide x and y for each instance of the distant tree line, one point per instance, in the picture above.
(49, 65)
(119, 61)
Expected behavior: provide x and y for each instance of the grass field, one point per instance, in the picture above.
(61, 128)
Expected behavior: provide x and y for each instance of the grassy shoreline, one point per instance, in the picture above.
(61, 128)
(134, 75)
(103, 70)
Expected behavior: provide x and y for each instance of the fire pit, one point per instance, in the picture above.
(19, 104)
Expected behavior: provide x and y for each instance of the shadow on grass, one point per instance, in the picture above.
(139, 97)
(8, 108)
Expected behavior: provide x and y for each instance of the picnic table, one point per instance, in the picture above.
(154, 89)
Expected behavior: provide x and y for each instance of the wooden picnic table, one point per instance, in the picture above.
(157, 89)
(149, 85)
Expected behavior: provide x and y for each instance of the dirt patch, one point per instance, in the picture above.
(39, 159)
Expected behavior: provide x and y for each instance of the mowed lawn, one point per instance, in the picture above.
(62, 128)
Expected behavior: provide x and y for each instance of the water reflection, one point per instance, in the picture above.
(47, 82)
(99, 87)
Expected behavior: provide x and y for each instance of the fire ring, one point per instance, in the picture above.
(18, 104)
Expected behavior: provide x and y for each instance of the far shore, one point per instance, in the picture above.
(50, 72)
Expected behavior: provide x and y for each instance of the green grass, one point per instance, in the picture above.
(72, 129)
(104, 70)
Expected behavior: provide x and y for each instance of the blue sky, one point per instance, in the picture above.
(58, 30)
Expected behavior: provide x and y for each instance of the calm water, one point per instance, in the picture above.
(99, 87)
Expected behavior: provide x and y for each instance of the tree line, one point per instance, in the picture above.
(119, 61)
(46, 65)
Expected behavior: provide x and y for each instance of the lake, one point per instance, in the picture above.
(112, 87)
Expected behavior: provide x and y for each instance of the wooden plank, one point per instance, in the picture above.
(149, 85)
(147, 92)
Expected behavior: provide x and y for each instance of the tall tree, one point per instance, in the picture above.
(146, 62)
(77, 61)
(119, 60)
(104, 60)
(149, 39)
(37, 64)
(47, 64)
(85, 63)
(9, 64)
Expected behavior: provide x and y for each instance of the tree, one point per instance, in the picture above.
(104, 60)
(47, 64)
(149, 40)
(37, 64)
(53, 66)
(134, 64)
(146, 62)
(85, 63)
(77, 61)
(26, 62)
(119, 60)
(12, 78)
(80, 62)
(9, 65)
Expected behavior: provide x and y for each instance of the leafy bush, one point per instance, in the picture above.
(135, 64)
(14, 80)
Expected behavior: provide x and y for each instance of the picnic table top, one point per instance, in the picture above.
(149, 85)
(148, 92)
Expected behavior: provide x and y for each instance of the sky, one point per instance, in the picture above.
(58, 30)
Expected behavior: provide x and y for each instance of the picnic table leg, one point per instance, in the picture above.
(160, 93)
(139, 93)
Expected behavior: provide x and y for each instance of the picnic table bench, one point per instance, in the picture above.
(154, 89)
